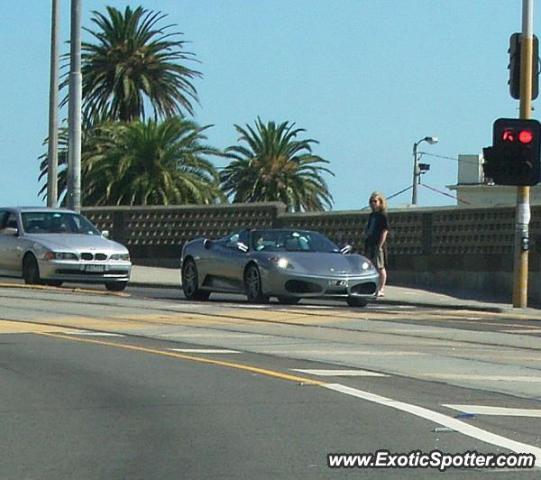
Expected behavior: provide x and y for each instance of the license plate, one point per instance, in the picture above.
(338, 283)
(95, 268)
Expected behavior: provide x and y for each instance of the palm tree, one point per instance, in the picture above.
(134, 63)
(150, 164)
(141, 163)
(273, 165)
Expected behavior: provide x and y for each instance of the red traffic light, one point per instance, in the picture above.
(508, 135)
(525, 136)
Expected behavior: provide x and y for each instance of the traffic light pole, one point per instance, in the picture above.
(520, 266)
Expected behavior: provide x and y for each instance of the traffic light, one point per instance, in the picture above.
(514, 158)
(514, 66)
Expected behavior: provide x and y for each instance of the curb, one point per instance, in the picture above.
(474, 308)
(170, 286)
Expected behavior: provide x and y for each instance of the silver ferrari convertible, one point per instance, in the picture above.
(286, 264)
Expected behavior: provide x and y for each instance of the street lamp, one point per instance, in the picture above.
(416, 171)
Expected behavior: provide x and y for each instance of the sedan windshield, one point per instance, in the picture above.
(57, 222)
(291, 241)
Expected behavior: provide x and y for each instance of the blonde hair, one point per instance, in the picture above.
(379, 196)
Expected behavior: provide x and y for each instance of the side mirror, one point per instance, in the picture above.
(10, 231)
(207, 244)
(105, 234)
(242, 247)
(346, 249)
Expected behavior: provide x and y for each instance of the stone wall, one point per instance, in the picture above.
(469, 248)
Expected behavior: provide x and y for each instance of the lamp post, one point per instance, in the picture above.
(74, 110)
(416, 172)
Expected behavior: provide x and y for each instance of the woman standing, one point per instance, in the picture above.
(377, 230)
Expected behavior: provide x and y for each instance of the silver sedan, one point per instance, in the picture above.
(52, 246)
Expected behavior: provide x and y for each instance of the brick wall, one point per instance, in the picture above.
(447, 246)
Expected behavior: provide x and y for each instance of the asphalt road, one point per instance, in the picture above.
(73, 409)
(293, 385)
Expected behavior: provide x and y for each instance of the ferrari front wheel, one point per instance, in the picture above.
(356, 301)
(289, 300)
(190, 282)
(253, 286)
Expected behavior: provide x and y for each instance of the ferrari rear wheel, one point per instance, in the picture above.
(289, 300)
(252, 285)
(357, 301)
(190, 282)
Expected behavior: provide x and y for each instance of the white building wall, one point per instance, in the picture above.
(471, 191)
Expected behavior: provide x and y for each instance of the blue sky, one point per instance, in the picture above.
(366, 78)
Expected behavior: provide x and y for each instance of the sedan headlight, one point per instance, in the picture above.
(121, 256)
(60, 256)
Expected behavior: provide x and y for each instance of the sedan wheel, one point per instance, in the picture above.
(116, 286)
(357, 301)
(252, 285)
(31, 270)
(190, 282)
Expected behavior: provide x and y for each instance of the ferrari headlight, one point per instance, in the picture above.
(121, 256)
(281, 262)
(367, 266)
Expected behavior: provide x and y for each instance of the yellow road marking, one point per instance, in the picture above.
(209, 361)
(242, 318)
(63, 289)
(23, 327)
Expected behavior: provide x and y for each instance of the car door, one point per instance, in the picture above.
(228, 260)
(10, 248)
(236, 258)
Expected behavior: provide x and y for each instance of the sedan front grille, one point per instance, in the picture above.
(90, 256)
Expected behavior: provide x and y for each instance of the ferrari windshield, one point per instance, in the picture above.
(291, 241)
(57, 222)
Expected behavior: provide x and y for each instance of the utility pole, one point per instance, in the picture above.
(74, 114)
(52, 154)
(520, 265)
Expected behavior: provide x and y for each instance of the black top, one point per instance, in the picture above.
(377, 223)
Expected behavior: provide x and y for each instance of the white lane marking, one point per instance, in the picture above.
(340, 352)
(486, 378)
(500, 411)
(340, 373)
(314, 307)
(522, 331)
(391, 307)
(203, 350)
(441, 419)
(96, 334)
(212, 335)
(252, 306)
